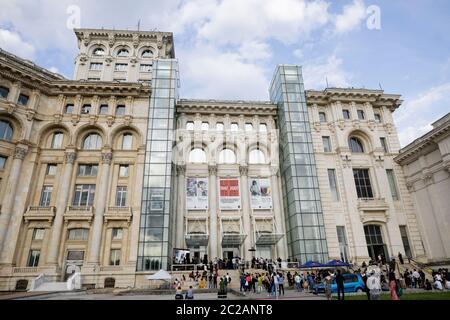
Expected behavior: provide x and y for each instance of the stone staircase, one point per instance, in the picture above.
(42, 284)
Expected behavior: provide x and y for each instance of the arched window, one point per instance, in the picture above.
(147, 54)
(69, 109)
(256, 157)
(92, 142)
(6, 131)
(356, 145)
(120, 110)
(57, 140)
(197, 156)
(127, 141)
(99, 52)
(227, 156)
(123, 53)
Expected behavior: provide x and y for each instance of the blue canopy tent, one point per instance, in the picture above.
(312, 265)
(337, 263)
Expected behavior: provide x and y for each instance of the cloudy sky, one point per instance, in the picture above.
(228, 49)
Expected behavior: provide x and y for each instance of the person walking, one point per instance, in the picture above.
(340, 285)
(393, 286)
(366, 289)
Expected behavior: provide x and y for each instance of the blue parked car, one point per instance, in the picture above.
(352, 283)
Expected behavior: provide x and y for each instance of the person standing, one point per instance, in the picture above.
(298, 282)
(400, 258)
(281, 283)
(374, 286)
(366, 289)
(327, 286)
(393, 286)
(340, 285)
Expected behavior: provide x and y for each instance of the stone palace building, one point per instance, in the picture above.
(112, 173)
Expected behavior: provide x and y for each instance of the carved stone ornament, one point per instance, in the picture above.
(70, 157)
(346, 161)
(181, 170)
(83, 58)
(243, 170)
(30, 114)
(341, 124)
(107, 158)
(20, 153)
(212, 170)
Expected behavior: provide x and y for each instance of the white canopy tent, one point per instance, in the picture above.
(160, 275)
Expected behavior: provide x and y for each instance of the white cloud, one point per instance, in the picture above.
(207, 72)
(351, 17)
(54, 69)
(298, 53)
(317, 72)
(414, 118)
(12, 42)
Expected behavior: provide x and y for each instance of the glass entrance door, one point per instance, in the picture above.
(375, 243)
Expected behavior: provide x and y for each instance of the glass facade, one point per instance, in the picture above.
(303, 209)
(156, 212)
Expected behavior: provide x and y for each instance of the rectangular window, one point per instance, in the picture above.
(86, 109)
(93, 79)
(362, 182)
(121, 67)
(190, 126)
(361, 115)
(46, 196)
(263, 127)
(120, 110)
(124, 170)
(322, 117)
(234, 127)
(78, 234)
(392, 184)
(384, 144)
(219, 126)
(51, 169)
(333, 184)
(4, 92)
(96, 66)
(121, 196)
(84, 195)
(343, 246)
(326, 144)
(378, 117)
(346, 114)
(87, 170)
(205, 126)
(146, 68)
(405, 240)
(117, 233)
(23, 100)
(3, 162)
(69, 109)
(115, 257)
(103, 109)
(38, 234)
(33, 258)
(248, 127)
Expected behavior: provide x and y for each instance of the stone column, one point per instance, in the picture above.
(61, 204)
(246, 213)
(279, 217)
(10, 192)
(101, 196)
(213, 243)
(181, 206)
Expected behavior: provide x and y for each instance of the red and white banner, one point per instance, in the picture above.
(230, 196)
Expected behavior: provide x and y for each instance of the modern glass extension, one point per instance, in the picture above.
(156, 211)
(301, 197)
